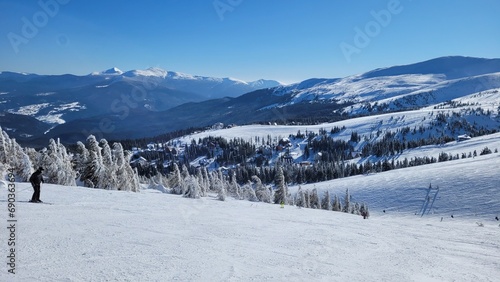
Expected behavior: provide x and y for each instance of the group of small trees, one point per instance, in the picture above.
(12, 156)
(223, 184)
(98, 166)
(197, 185)
(312, 199)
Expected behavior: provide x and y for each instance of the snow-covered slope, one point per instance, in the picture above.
(370, 125)
(99, 235)
(452, 67)
(401, 87)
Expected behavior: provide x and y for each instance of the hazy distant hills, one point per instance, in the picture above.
(143, 103)
(59, 99)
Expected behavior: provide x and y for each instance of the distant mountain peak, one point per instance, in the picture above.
(264, 83)
(113, 70)
(152, 71)
(452, 67)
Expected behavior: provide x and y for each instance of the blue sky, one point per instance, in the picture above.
(286, 40)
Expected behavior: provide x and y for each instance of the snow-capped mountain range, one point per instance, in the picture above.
(46, 101)
(211, 87)
(142, 103)
(401, 87)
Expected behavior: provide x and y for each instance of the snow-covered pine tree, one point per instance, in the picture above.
(3, 146)
(261, 191)
(20, 161)
(234, 188)
(184, 175)
(355, 209)
(221, 189)
(14, 157)
(67, 172)
(201, 182)
(212, 179)
(336, 204)
(50, 162)
(132, 174)
(26, 167)
(124, 175)
(347, 202)
(94, 168)
(326, 203)
(90, 175)
(81, 160)
(248, 193)
(108, 176)
(205, 187)
(122, 178)
(300, 200)
(192, 188)
(314, 200)
(57, 164)
(281, 191)
(365, 213)
(175, 180)
(307, 197)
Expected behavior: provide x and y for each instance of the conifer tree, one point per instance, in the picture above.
(201, 182)
(184, 176)
(263, 194)
(300, 200)
(248, 193)
(125, 179)
(192, 188)
(363, 210)
(109, 180)
(307, 197)
(26, 167)
(336, 204)
(14, 157)
(81, 159)
(3, 146)
(281, 191)
(234, 188)
(205, 181)
(131, 173)
(221, 189)
(67, 172)
(175, 181)
(314, 200)
(347, 202)
(94, 169)
(50, 162)
(326, 203)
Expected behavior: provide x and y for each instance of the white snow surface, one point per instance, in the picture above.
(101, 235)
(30, 110)
(409, 90)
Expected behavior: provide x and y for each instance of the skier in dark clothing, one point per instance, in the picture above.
(36, 179)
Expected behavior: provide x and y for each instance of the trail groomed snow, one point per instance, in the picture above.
(99, 235)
